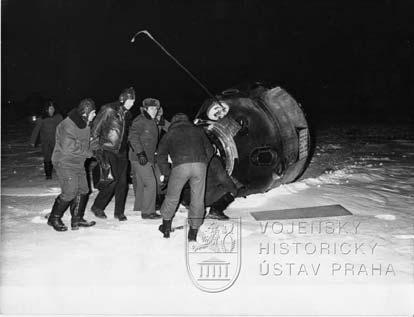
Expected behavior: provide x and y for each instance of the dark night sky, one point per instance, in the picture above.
(351, 57)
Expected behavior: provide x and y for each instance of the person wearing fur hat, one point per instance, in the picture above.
(143, 139)
(71, 150)
(45, 131)
(110, 142)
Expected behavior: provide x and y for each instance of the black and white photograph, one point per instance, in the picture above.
(207, 158)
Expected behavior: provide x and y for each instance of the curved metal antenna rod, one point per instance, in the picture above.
(177, 62)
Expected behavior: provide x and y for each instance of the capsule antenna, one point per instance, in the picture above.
(148, 34)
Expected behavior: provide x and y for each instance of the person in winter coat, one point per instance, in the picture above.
(109, 138)
(143, 140)
(190, 152)
(46, 130)
(71, 150)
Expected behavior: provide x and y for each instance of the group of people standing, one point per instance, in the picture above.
(115, 140)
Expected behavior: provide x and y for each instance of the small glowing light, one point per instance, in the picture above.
(34, 118)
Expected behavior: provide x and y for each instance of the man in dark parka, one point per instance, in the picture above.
(190, 152)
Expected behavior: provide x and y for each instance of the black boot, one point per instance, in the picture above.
(153, 215)
(120, 217)
(77, 210)
(192, 234)
(99, 213)
(217, 208)
(48, 169)
(55, 218)
(216, 214)
(165, 228)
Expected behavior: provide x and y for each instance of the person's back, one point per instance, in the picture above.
(184, 143)
(190, 151)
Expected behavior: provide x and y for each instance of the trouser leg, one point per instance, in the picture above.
(106, 192)
(197, 184)
(104, 196)
(178, 177)
(139, 186)
(47, 150)
(121, 188)
(78, 204)
(48, 167)
(147, 177)
(69, 183)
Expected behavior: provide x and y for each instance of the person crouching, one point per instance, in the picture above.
(71, 150)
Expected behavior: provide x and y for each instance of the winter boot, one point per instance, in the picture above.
(77, 210)
(99, 213)
(165, 228)
(55, 218)
(192, 234)
(216, 210)
(48, 169)
(120, 217)
(216, 214)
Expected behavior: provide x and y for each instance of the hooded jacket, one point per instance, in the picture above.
(184, 143)
(72, 141)
(110, 128)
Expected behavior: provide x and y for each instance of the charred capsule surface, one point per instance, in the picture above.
(260, 133)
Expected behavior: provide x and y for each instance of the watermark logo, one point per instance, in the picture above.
(213, 262)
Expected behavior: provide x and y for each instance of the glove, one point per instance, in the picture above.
(142, 158)
(163, 182)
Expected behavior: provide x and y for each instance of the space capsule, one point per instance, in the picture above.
(260, 134)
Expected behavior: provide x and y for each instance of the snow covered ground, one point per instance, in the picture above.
(352, 265)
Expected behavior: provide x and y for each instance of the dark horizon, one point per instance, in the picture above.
(347, 60)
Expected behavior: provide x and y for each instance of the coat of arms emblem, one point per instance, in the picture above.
(213, 262)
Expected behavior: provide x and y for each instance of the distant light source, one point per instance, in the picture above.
(34, 118)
